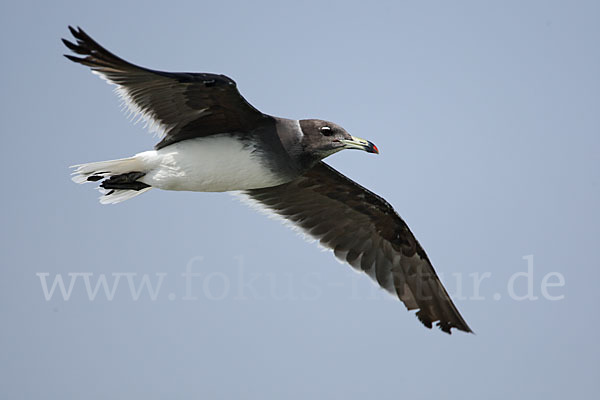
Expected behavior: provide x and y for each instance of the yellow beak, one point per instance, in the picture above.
(360, 144)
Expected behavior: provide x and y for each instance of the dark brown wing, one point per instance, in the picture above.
(180, 105)
(365, 231)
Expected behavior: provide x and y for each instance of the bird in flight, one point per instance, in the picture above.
(213, 140)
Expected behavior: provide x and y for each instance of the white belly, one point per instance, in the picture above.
(216, 163)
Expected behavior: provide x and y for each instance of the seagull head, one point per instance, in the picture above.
(323, 138)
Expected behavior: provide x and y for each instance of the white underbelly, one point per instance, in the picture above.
(216, 163)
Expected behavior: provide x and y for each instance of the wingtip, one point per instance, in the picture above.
(444, 326)
(70, 45)
(468, 330)
(73, 58)
(78, 33)
(465, 329)
(463, 326)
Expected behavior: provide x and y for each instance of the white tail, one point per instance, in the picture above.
(119, 178)
(105, 168)
(114, 196)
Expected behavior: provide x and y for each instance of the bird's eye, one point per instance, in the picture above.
(326, 131)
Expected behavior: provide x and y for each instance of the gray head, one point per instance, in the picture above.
(321, 139)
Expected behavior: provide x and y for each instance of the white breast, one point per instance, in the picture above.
(216, 163)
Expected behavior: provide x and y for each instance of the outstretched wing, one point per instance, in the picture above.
(179, 105)
(365, 231)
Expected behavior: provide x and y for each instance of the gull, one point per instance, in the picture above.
(213, 140)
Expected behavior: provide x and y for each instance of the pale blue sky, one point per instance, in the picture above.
(487, 118)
